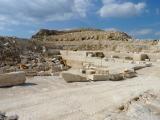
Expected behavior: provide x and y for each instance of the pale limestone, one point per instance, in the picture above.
(11, 79)
(98, 77)
(73, 77)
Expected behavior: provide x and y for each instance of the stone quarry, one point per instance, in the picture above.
(81, 74)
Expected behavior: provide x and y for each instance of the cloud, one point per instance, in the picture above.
(25, 11)
(121, 8)
(142, 32)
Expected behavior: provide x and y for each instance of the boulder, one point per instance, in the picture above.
(12, 79)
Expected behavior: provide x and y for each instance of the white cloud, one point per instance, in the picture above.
(121, 8)
(142, 32)
(21, 11)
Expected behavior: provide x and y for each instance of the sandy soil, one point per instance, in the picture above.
(50, 98)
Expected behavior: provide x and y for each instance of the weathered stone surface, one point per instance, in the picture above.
(102, 71)
(90, 72)
(129, 73)
(73, 77)
(140, 57)
(11, 79)
(98, 77)
(138, 67)
(116, 77)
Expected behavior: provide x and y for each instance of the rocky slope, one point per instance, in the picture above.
(11, 48)
(80, 35)
(91, 39)
(9, 51)
(80, 39)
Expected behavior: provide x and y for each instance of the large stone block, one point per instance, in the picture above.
(11, 79)
(140, 57)
(73, 77)
(116, 77)
(75, 63)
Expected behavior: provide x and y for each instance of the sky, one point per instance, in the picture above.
(23, 18)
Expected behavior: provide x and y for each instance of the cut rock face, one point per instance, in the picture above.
(12, 79)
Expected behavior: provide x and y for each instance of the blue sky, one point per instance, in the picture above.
(22, 18)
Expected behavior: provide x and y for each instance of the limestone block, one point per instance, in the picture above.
(31, 73)
(148, 64)
(138, 67)
(73, 77)
(116, 77)
(140, 57)
(11, 79)
(90, 72)
(102, 71)
(74, 63)
(98, 77)
(130, 75)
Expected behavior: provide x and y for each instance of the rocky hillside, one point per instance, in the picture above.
(9, 51)
(11, 48)
(81, 39)
(79, 35)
